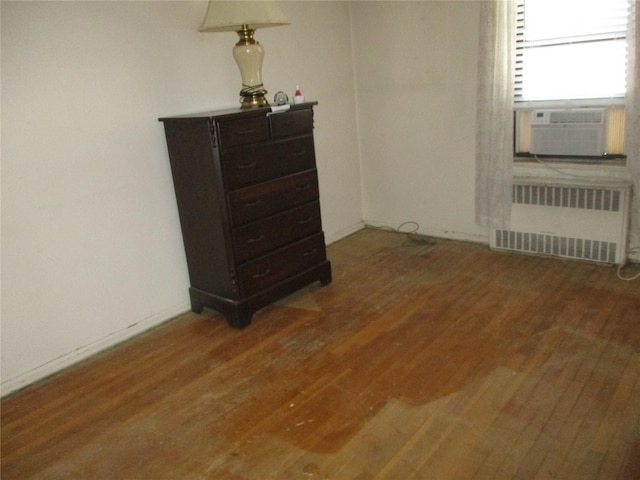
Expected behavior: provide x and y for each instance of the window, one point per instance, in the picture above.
(571, 54)
(571, 49)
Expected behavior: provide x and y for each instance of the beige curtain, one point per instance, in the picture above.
(494, 129)
(632, 140)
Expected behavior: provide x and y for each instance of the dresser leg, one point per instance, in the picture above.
(325, 275)
(198, 300)
(239, 319)
(196, 306)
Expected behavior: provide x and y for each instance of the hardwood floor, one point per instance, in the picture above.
(444, 361)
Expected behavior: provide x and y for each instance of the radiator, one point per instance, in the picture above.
(569, 219)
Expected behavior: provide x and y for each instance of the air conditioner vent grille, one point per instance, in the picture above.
(566, 196)
(559, 246)
(576, 116)
(573, 132)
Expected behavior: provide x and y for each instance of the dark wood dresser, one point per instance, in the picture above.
(247, 192)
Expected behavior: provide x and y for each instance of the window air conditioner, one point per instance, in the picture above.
(574, 132)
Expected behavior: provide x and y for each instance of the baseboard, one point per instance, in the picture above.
(334, 237)
(55, 366)
(66, 360)
(82, 353)
(446, 234)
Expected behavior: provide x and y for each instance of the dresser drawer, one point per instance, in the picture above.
(243, 132)
(260, 162)
(264, 199)
(290, 123)
(258, 238)
(281, 264)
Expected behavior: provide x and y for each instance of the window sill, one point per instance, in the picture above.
(571, 169)
(606, 161)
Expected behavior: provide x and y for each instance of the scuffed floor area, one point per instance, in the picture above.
(445, 361)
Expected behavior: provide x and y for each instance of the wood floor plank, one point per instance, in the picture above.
(440, 361)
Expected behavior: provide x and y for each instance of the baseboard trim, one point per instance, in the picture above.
(334, 237)
(66, 360)
(82, 353)
(442, 234)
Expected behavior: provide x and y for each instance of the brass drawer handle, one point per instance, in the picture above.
(306, 220)
(262, 274)
(255, 203)
(247, 132)
(310, 253)
(301, 153)
(257, 239)
(301, 188)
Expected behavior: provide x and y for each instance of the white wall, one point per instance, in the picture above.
(416, 68)
(91, 246)
(315, 53)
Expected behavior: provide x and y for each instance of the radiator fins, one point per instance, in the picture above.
(571, 197)
(580, 222)
(539, 243)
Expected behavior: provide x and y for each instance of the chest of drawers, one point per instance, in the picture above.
(247, 193)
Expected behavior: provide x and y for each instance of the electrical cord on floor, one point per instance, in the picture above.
(418, 239)
(411, 234)
(622, 265)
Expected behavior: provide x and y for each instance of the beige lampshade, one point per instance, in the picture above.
(225, 16)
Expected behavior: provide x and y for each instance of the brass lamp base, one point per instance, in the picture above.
(252, 100)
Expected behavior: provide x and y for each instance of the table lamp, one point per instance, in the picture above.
(244, 17)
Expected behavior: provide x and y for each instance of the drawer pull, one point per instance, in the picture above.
(245, 166)
(247, 132)
(304, 187)
(256, 240)
(301, 153)
(310, 253)
(306, 220)
(263, 274)
(255, 203)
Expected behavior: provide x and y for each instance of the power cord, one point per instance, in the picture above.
(557, 170)
(419, 239)
(411, 234)
(622, 265)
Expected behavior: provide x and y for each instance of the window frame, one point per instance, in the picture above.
(520, 102)
(522, 106)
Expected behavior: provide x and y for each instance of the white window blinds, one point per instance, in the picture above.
(571, 49)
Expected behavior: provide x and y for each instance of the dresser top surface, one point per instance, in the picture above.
(238, 112)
